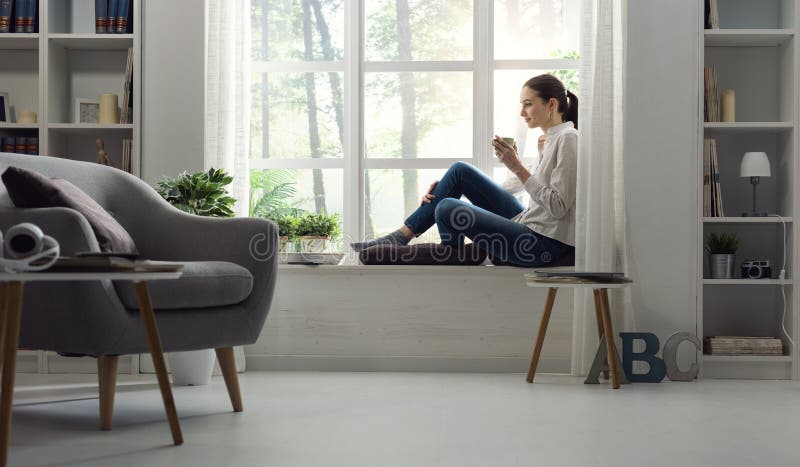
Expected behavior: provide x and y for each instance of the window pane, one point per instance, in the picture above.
(278, 30)
(533, 29)
(507, 119)
(392, 195)
(297, 117)
(437, 30)
(290, 191)
(500, 174)
(438, 124)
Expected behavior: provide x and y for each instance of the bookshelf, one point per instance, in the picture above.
(48, 71)
(755, 53)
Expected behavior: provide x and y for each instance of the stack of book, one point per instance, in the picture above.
(20, 145)
(112, 16)
(126, 115)
(18, 16)
(127, 146)
(712, 192)
(730, 345)
(712, 15)
(710, 95)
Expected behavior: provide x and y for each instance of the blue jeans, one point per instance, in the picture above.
(487, 221)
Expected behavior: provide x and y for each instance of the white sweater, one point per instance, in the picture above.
(551, 186)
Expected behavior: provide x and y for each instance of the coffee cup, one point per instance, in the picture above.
(508, 140)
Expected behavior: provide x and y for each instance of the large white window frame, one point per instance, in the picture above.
(354, 164)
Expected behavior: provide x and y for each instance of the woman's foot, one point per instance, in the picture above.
(398, 237)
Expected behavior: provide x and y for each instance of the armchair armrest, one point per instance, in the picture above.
(69, 227)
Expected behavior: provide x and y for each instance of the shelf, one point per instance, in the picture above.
(746, 220)
(747, 282)
(92, 41)
(83, 128)
(21, 41)
(19, 126)
(747, 37)
(745, 127)
(747, 358)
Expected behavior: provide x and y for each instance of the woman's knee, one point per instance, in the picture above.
(462, 167)
(444, 208)
(455, 213)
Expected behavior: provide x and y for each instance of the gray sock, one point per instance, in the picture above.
(394, 238)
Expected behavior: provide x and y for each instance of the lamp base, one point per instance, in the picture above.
(755, 214)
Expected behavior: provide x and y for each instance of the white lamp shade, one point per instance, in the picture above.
(754, 164)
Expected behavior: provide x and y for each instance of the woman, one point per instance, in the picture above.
(496, 221)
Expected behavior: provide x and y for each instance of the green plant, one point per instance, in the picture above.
(200, 193)
(271, 192)
(319, 225)
(721, 244)
(287, 225)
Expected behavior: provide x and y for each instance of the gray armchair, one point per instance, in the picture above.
(221, 300)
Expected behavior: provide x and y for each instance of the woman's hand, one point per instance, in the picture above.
(506, 153)
(428, 197)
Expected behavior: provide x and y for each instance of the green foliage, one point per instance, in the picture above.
(200, 193)
(271, 193)
(568, 77)
(319, 225)
(287, 225)
(721, 244)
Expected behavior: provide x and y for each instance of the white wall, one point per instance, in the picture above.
(661, 157)
(173, 83)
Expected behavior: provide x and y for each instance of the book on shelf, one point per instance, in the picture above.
(127, 146)
(123, 12)
(710, 95)
(5, 15)
(742, 345)
(100, 16)
(111, 9)
(711, 14)
(712, 190)
(126, 115)
(20, 7)
(30, 16)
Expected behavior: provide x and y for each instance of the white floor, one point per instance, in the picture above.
(411, 420)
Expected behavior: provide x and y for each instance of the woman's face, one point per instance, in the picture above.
(534, 110)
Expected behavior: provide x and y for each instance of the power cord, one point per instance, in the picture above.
(782, 277)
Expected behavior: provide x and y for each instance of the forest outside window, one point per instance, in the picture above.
(358, 105)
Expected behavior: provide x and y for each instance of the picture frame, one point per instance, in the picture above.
(87, 110)
(5, 108)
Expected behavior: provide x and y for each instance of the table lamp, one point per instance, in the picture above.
(754, 165)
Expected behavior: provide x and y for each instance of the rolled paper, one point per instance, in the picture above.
(109, 112)
(728, 105)
(26, 116)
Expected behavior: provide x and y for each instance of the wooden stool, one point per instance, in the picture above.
(602, 314)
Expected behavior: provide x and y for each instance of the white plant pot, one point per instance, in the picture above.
(192, 368)
(314, 244)
(286, 246)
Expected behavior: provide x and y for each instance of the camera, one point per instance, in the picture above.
(756, 269)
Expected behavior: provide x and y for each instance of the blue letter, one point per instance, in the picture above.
(657, 368)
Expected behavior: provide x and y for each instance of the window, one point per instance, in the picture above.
(359, 105)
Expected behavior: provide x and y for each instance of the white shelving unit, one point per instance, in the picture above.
(46, 72)
(755, 52)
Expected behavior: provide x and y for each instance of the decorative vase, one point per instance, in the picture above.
(286, 246)
(313, 244)
(192, 368)
(721, 265)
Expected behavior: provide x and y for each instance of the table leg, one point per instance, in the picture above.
(537, 348)
(12, 315)
(599, 315)
(3, 306)
(609, 333)
(156, 351)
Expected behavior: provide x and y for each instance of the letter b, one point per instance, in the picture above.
(657, 367)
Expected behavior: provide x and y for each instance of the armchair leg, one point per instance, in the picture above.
(107, 378)
(227, 363)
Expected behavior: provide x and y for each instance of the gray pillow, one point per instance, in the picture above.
(30, 189)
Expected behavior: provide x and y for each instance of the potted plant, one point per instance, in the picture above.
(287, 231)
(202, 194)
(317, 231)
(721, 249)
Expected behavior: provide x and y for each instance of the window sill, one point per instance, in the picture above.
(416, 269)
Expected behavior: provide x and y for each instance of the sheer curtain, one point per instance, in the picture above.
(600, 206)
(227, 121)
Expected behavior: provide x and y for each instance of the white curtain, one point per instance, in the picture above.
(600, 206)
(227, 122)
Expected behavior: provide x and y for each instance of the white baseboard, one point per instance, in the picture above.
(401, 364)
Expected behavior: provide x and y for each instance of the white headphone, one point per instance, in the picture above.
(27, 248)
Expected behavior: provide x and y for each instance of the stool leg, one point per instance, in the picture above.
(599, 315)
(537, 348)
(13, 312)
(609, 333)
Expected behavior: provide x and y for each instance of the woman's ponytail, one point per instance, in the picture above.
(572, 110)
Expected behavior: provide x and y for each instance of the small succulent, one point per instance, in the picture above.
(721, 244)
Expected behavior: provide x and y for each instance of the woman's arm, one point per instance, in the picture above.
(514, 183)
(557, 194)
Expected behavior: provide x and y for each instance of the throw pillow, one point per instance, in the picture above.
(423, 254)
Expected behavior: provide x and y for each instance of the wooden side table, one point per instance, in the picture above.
(602, 313)
(11, 294)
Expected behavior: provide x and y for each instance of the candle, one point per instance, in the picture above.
(27, 117)
(728, 105)
(109, 113)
